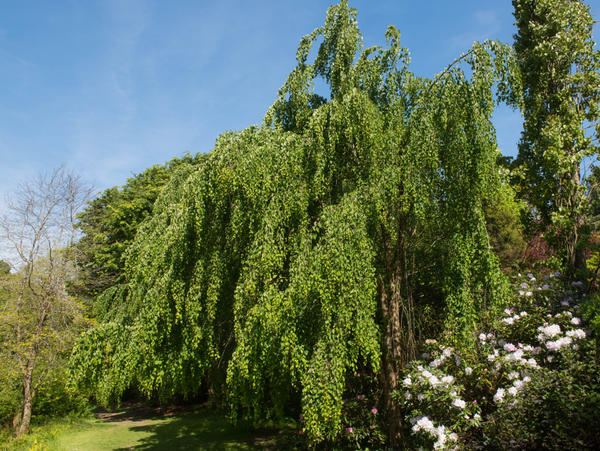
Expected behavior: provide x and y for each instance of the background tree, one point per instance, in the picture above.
(4, 267)
(109, 223)
(40, 320)
(561, 89)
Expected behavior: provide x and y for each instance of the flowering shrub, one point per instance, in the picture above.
(434, 403)
(558, 410)
(477, 397)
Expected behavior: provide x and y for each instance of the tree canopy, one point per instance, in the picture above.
(311, 246)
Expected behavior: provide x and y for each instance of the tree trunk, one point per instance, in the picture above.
(398, 341)
(391, 364)
(27, 402)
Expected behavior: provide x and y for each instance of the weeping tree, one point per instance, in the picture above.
(310, 247)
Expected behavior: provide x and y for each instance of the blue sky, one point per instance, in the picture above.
(111, 87)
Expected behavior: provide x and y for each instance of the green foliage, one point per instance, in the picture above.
(559, 410)
(307, 247)
(111, 220)
(592, 313)
(4, 268)
(503, 215)
(561, 89)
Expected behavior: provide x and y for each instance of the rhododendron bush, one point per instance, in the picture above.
(532, 379)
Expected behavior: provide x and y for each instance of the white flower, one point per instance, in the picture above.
(426, 374)
(518, 384)
(512, 391)
(447, 352)
(459, 403)
(436, 363)
(552, 346)
(433, 380)
(476, 416)
(509, 347)
(508, 321)
(508, 311)
(529, 293)
(517, 355)
(468, 370)
(531, 277)
(549, 331)
(424, 424)
(407, 395)
(513, 375)
(521, 293)
(482, 337)
(524, 285)
(448, 379)
(564, 341)
(499, 396)
(575, 321)
(577, 334)
(407, 382)
(532, 363)
(558, 344)
(523, 314)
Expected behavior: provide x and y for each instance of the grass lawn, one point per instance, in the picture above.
(142, 428)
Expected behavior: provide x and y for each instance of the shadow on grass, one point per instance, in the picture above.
(203, 429)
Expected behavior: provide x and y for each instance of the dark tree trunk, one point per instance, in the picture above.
(399, 336)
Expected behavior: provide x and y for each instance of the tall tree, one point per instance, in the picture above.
(39, 319)
(311, 246)
(561, 89)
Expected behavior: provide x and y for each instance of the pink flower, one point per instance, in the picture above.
(349, 430)
(374, 411)
(360, 397)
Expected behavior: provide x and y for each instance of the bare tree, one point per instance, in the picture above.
(40, 320)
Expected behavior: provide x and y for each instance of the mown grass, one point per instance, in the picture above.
(196, 428)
